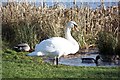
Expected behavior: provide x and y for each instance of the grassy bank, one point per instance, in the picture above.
(18, 65)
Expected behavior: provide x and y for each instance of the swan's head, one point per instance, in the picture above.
(72, 24)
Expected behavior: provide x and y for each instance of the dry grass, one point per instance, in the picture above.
(27, 23)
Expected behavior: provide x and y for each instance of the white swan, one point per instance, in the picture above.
(58, 46)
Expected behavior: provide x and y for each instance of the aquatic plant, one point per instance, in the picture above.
(106, 43)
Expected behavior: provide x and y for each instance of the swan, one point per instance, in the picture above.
(58, 46)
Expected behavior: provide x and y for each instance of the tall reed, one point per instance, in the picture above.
(27, 23)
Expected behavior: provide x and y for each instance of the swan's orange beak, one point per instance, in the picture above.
(75, 28)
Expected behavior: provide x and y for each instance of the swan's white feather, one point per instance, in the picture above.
(57, 46)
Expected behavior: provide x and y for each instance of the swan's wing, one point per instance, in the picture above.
(62, 45)
(56, 44)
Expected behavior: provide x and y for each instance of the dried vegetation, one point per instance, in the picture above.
(23, 22)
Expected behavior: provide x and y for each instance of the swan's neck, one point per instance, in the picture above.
(69, 37)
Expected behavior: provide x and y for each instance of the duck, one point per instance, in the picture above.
(56, 47)
(95, 59)
(22, 47)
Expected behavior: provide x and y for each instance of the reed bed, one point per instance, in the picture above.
(23, 22)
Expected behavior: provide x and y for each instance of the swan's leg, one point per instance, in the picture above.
(56, 61)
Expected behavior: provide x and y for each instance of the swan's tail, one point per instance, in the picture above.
(35, 54)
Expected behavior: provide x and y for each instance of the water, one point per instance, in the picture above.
(78, 61)
(79, 4)
(75, 62)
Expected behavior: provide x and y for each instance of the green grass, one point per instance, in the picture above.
(18, 65)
